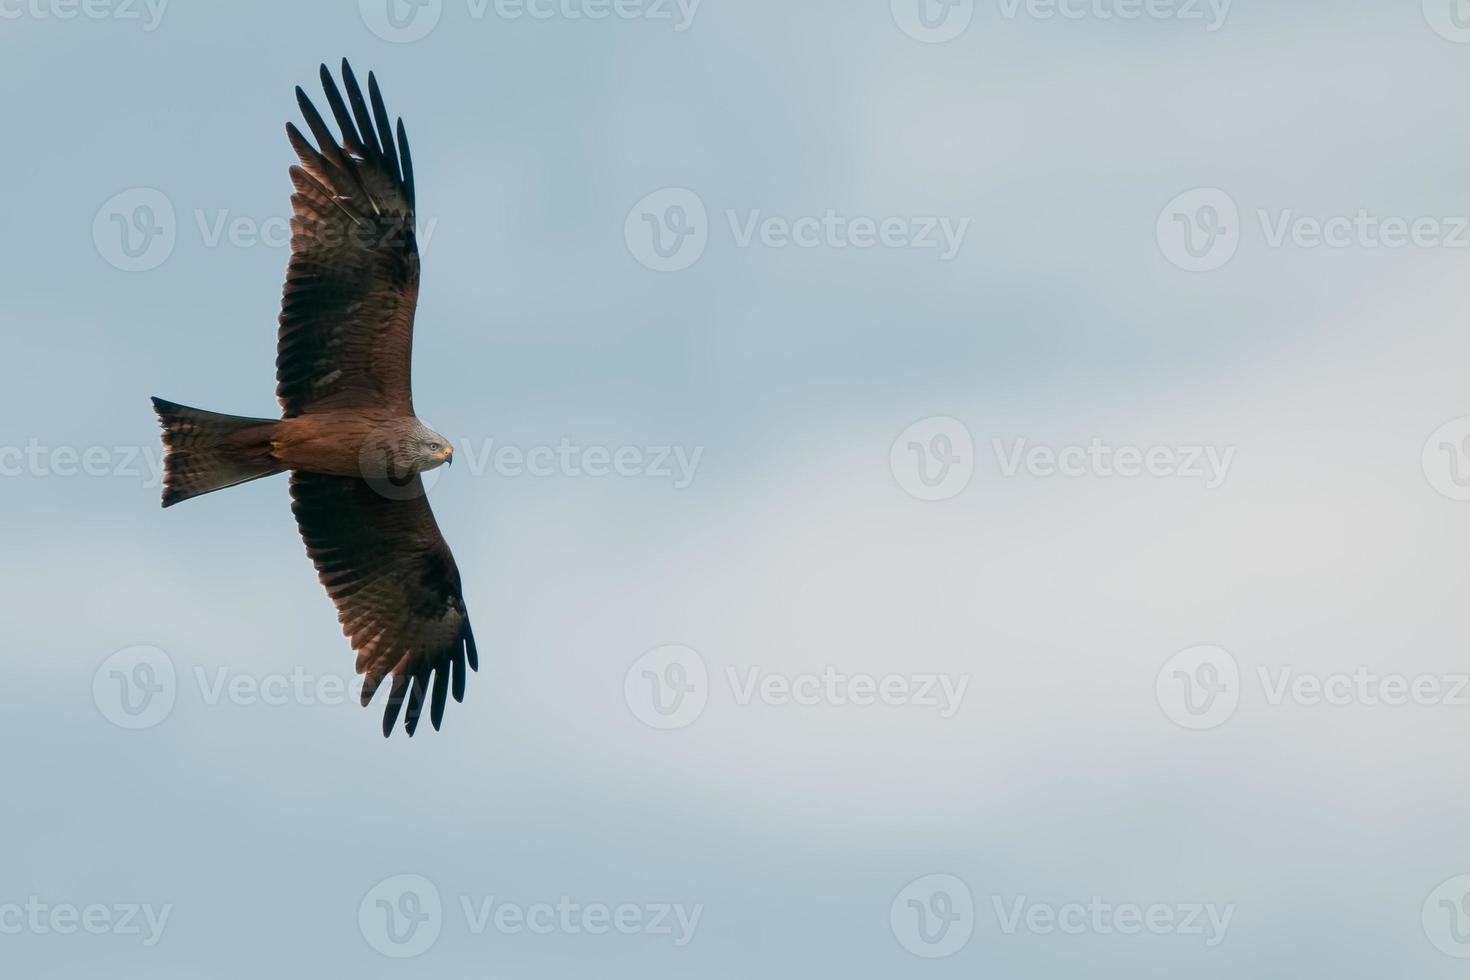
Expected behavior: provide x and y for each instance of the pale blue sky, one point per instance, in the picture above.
(798, 545)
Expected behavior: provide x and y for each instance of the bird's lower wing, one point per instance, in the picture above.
(397, 590)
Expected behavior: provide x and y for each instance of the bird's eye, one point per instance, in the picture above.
(434, 447)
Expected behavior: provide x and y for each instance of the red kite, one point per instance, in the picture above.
(347, 432)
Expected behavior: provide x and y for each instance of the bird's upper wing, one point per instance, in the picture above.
(346, 334)
(396, 588)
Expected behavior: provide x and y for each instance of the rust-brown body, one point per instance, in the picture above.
(342, 443)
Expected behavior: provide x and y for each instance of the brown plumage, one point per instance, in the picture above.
(347, 431)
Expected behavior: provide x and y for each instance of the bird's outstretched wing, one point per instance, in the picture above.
(396, 588)
(346, 336)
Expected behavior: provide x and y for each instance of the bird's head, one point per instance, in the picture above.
(430, 449)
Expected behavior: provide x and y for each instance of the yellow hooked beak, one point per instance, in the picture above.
(447, 455)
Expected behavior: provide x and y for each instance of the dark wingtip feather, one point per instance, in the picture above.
(441, 692)
(406, 163)
(344, 118)
(416, 694)
(457, 663)
(385, 128)
(299, 142)
(315, 122)
(395, 703)
(370, 686)
(365, 128)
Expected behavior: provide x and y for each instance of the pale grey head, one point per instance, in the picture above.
(428, 448)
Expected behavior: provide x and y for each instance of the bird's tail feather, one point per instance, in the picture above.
(206, 451)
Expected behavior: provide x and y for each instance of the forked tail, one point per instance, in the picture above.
(206, 451)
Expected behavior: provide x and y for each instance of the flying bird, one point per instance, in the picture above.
(347, 433)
